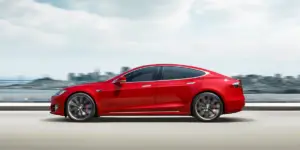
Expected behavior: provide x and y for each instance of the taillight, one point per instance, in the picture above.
(237, 84)
(241, 83)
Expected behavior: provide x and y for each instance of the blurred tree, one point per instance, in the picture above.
(110, 74)
(124, 69)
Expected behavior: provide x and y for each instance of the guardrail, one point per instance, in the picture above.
(18, 106)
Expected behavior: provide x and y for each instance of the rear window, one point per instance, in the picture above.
(171, 72)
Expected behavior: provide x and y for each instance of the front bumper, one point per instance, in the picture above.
(57, 105)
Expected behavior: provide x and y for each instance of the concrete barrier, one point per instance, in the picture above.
(249, 106)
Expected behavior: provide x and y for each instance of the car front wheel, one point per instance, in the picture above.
(207, 107)
(80, 107)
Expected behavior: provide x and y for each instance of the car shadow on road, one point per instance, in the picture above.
(152, 120)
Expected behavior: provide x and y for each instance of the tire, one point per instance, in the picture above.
(207, 103)
(80, 107)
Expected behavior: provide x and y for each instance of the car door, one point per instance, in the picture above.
(176, 87)
(136, 94)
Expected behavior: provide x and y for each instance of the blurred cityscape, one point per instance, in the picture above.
(93, 76)
(252, 83)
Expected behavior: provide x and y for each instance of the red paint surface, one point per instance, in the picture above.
(164, 97)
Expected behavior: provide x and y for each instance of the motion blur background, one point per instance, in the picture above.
(50, 44)
(46, 45)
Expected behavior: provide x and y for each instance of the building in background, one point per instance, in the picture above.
(71, 76)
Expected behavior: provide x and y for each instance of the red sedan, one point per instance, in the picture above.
(159, 89)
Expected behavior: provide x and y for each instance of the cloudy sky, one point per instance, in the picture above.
(54, 37)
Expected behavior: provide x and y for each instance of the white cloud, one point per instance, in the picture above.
(227, 36)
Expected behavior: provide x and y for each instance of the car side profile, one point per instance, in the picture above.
(158, 89)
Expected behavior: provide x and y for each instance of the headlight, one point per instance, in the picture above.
(60, 92)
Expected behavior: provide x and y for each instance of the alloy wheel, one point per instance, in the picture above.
(208, 106)
(80, 107)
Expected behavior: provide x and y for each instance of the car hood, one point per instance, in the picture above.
(83, 85)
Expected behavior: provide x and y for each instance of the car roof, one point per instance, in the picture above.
(177, 65)
(182, 65)
(165, 64)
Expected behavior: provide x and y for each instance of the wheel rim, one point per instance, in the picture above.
(208, 106)
(80, 107)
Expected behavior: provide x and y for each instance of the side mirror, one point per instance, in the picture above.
(121, 80)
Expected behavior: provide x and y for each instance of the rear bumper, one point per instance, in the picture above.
(233, 106)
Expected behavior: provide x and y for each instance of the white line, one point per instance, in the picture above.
(24, 104)
(247, 104)
(272, 104)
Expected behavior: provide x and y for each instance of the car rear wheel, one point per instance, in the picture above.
(207, 107)
(80, 107)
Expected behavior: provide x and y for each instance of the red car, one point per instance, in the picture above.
(159, 89)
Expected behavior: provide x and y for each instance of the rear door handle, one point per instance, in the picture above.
(190, 83)
(148, 85)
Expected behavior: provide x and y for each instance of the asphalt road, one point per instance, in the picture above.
(38, 130)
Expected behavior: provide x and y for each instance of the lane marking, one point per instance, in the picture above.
(272, 104)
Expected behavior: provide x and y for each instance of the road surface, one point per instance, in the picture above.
(38, 130)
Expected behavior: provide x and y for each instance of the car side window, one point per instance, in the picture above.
(144, 74)
(170, 72)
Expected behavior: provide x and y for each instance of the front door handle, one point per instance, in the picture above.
(147, 85)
